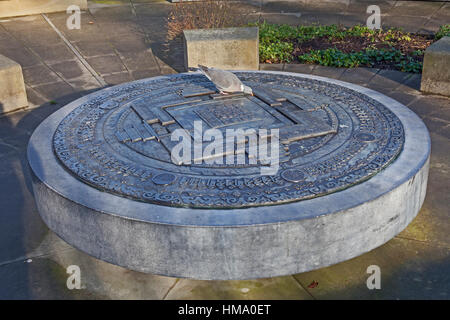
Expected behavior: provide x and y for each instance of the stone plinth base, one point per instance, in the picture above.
(436, 68)
(12, 88)
(228, 48)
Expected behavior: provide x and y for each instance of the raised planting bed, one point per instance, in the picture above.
(339, 46)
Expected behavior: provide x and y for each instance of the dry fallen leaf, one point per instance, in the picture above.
(313, 284)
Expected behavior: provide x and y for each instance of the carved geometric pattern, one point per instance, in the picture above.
(332, 138)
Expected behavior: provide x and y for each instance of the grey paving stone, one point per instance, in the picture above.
(320, 18)
(129, 44)
(299, 68)
(139, 60)
(45, 278)
(106, 64)
(271, 66)
(124, 28)
(426, 105)
(359, 7)
(153, 9)
(21, 228)
(40, 278)
(329, 72)
(39, 74)
(32, 37)
(388, 80)
(91, 48)
(7, 41)
(53, 53)
(284, 6)
(327, 6)
(409, 270)
(413, 82)
(89, 29)
(263, 289)
(359, 76)
(141, 74)
(415, 8)
(432, 223)
(403, 97)
(54, 91)
(117, 78)
(434, 124)
(34, 99)
(69, 69)
(445, 132)
(110, 13)
(350, 20)
(406, 23)
(6, 150)
(85, 82)
(23, 56)
(288, 19)
(433, 25)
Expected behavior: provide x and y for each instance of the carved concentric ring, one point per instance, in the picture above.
(104, 143)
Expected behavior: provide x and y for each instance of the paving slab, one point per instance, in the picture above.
(388, 80)
(54, 91)
(330, 72)
(92, 48)
(106, 64)
(39, 74)
(406, 23)
(409, 270)
(300, 68)
(286, 288)
(54, 53)
(272, 66)
(21, 55)
(116, 78)
(360, 76)
(415, 8)
(432, 224)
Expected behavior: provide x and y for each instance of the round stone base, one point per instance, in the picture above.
(246, 243)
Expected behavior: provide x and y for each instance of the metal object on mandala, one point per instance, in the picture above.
(331, 138)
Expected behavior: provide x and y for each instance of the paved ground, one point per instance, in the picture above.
(124, 40)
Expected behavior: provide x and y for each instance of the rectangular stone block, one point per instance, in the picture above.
(12, 88)
(436, 68)
(12, 8)
(227, 48)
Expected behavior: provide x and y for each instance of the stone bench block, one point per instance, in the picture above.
(12, 88)
(12, 8)
(227, 48)
(436, 68)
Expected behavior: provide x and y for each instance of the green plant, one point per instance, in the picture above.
(444, 31)
(281, 43)
(276, 52)
(335, 58)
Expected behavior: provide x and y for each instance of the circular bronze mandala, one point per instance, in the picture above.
(330, 138)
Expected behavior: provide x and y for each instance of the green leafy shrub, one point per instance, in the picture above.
(278, 43)
(444, 31)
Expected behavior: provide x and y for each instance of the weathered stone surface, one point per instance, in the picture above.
(235, 243)
(436, 68)
(228, 48)
(12, 8)
(12, 88)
